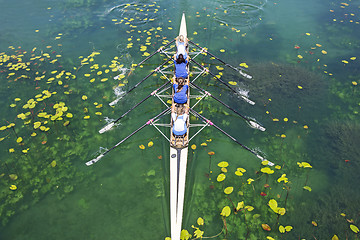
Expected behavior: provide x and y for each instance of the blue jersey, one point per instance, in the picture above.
(180, 97)
(180, 70)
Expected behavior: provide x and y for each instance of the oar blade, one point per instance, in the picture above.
(91, 162)
(255, 125)
(264, 159)
(245, 75)
(106, 128)
(247, 100)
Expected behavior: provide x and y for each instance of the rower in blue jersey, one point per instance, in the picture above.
(180, 91)
(180, 66)
(179, 121)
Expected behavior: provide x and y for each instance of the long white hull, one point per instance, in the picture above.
(178, 162)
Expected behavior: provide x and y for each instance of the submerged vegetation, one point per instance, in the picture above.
(53, 104)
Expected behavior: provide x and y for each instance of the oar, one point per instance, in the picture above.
(226, 64)
(252, 123)
(229, 136)
(136, 85)
(227, 85)
(157, 51)
(91, 162)
(110, 125)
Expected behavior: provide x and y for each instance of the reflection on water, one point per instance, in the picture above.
(63, 63)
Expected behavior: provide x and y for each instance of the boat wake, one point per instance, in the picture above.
(119, 93)
(244, 95)
(249, 12)
(101, 150)
(122, 71)
(253, 123)
(134, 11)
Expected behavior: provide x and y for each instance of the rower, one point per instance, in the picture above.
(180, 90)
(181, 66)
(179, 120)
(181, 46)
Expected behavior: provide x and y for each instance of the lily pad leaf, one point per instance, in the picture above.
(200, 221)
(185, 235)
(221, 177)
(228, 190)
(223, 164)
(225, 211)
(354, 228)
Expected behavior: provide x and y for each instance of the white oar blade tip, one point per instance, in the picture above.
(106, 128)
(270, 163)
(255, 125)
(247, 100)
(91, 162)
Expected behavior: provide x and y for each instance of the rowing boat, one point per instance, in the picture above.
(179, 145)
(178, 162)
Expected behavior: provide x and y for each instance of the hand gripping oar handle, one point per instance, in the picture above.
(226, 64)
(126, 138)
(252, 123)
(208, 71)
(110, 125)
(157, 51)
(229, 136)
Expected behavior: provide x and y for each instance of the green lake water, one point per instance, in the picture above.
(304, 59)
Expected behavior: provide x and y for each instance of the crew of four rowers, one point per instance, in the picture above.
(180, 115)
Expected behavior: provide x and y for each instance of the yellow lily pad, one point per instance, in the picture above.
(229, 190)
(200, 221)
(225, 211)
(240, 205)
(223, 164)
(288, 228)
(221, 177)
(37, 124)
(233, 83)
